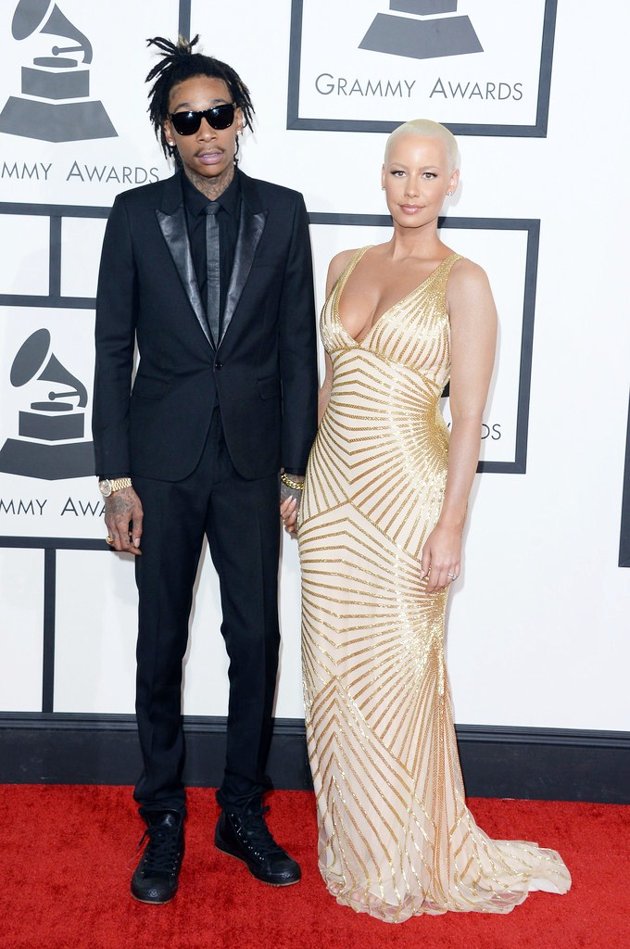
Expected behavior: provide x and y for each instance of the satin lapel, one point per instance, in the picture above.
(250, 231)
(173, 227)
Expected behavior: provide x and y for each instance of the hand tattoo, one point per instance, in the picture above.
(120, 503)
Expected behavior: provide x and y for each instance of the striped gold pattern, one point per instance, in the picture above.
(395, 836)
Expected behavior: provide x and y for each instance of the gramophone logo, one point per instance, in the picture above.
(479, 67)
(55, 104)
(426, 34)
(51, 431)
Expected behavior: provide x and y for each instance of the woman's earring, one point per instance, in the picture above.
(449, 194)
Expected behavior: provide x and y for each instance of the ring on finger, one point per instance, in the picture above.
(109, 539)
(452, 576)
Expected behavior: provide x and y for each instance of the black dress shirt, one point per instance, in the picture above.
(228, 219)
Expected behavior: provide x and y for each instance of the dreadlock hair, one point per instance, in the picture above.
(178, 64)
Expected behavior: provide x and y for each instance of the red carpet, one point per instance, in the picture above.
(67, 853)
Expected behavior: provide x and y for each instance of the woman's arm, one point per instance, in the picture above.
(336, 267)
(325, 389)
(473, 340)
(289, 506)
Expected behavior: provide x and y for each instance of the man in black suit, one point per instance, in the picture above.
(209, 273)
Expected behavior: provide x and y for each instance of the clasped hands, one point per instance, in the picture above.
(290, 498)
(124, 516)
(441, 555)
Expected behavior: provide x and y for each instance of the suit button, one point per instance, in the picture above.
(218, 365)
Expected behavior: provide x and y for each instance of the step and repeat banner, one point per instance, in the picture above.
(539, 207)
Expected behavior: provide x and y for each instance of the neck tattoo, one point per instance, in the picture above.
(212, 188)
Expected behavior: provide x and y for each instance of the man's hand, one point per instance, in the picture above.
(123, 519)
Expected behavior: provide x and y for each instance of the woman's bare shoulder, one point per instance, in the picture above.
(341, 260)
(337, 266)
(468, 293)
(467, 276)
(466, 269)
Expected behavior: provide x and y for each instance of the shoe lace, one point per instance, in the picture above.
(162, 850)
(257, 832)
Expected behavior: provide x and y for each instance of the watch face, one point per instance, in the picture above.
(105, 488)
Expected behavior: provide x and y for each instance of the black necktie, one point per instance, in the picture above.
(213, 271)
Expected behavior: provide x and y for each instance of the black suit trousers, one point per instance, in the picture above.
(240, 519)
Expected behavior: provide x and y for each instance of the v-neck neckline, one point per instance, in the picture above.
(343, 279)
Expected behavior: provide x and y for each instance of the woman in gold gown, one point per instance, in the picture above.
(380, 533)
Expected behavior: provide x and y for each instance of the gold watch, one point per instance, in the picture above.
(109, 485)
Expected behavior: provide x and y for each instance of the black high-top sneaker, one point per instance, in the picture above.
(156, 876)
(245, 835)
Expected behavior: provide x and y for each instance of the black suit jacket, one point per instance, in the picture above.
(263, 374)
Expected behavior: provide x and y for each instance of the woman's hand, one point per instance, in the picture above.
(441, 557)
(288, 513)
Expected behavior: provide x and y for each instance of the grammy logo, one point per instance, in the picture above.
(436, 33)
(47, 422)
(38, 113)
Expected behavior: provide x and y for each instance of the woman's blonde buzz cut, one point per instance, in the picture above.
(428, 129)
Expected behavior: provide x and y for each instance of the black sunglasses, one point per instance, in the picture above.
(218, 117)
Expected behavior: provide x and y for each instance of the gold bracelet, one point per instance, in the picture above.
(296, 485)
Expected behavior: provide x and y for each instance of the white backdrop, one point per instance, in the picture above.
(539, 620)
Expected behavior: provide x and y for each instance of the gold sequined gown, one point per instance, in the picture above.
(395, 836)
